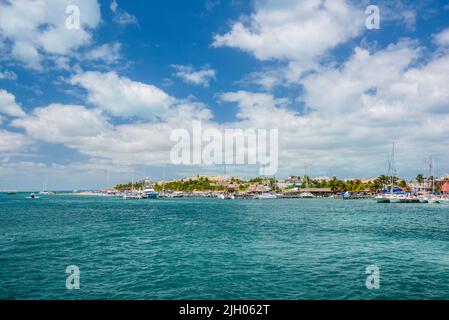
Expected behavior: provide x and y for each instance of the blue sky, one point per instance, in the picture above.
(86, 108)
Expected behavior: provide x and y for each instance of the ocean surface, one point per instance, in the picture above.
(221, 249)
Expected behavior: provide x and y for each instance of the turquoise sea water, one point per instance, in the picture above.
(216, 249)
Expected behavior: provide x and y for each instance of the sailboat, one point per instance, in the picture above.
(432, 198)
(391, 197)
(133, 194)
(45, 188)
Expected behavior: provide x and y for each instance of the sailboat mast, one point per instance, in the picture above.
(393, 171)
(432, 173)
(132, 180)
(163, 177)
(305, 176)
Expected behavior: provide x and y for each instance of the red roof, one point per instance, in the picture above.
(445, 187)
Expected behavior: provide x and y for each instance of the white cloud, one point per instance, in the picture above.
(268, 78)
(8, 75)
(351, 113)
(8, 105)
(384, 79)
(89, 132)
(442, 38)
(345, 87)
(255, 105)
(300, 31)
(12, 142)
(109, 53)
(121, 16)
(37, 29)
(63, 123)
(197, 77)
(123, 97)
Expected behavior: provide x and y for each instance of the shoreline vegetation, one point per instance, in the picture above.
(293, 186)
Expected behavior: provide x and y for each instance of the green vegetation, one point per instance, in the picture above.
(336, 185)
(200, 184)
(128, 186)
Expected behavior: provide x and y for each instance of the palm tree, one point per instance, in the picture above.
(383, 180)
(420, 179)
(333, 184)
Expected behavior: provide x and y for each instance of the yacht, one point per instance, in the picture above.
(267, 195)
(226, 196)
(132, 195)
(307, 195)
(45, 188)
(423, 199)
(148, 192)
(45, 192)
(391, 196)
(439, 200)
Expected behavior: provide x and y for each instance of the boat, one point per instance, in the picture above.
(389, 198)
(306, 195)
(393, 195)
(439, 200)
(132, 195)
(267, 195)
(226, 196)
(148, 192)
(434, 200)
(32, 196)
(45, 191)
(10, 193)
(382, 199)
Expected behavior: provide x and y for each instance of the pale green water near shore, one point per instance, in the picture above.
(215, 249)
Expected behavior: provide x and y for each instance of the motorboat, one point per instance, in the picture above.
(226, 196)
(267, 195)
(307, 195)
(32, 196)
(148, 192)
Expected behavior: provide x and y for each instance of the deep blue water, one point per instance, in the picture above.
(215, 249)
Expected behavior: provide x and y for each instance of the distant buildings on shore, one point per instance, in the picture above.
(322, 185)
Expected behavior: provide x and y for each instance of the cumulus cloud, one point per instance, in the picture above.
(343, 118)
(8, 105)
(8, 75)
(90, 132)
(122, 97)
(35, 30)
(197, 77)
(63, 123)
(109, 53)
(300, 31)
(347, 111)
(121, 16)
(384, 79)
(12, 142)
(442, 38)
